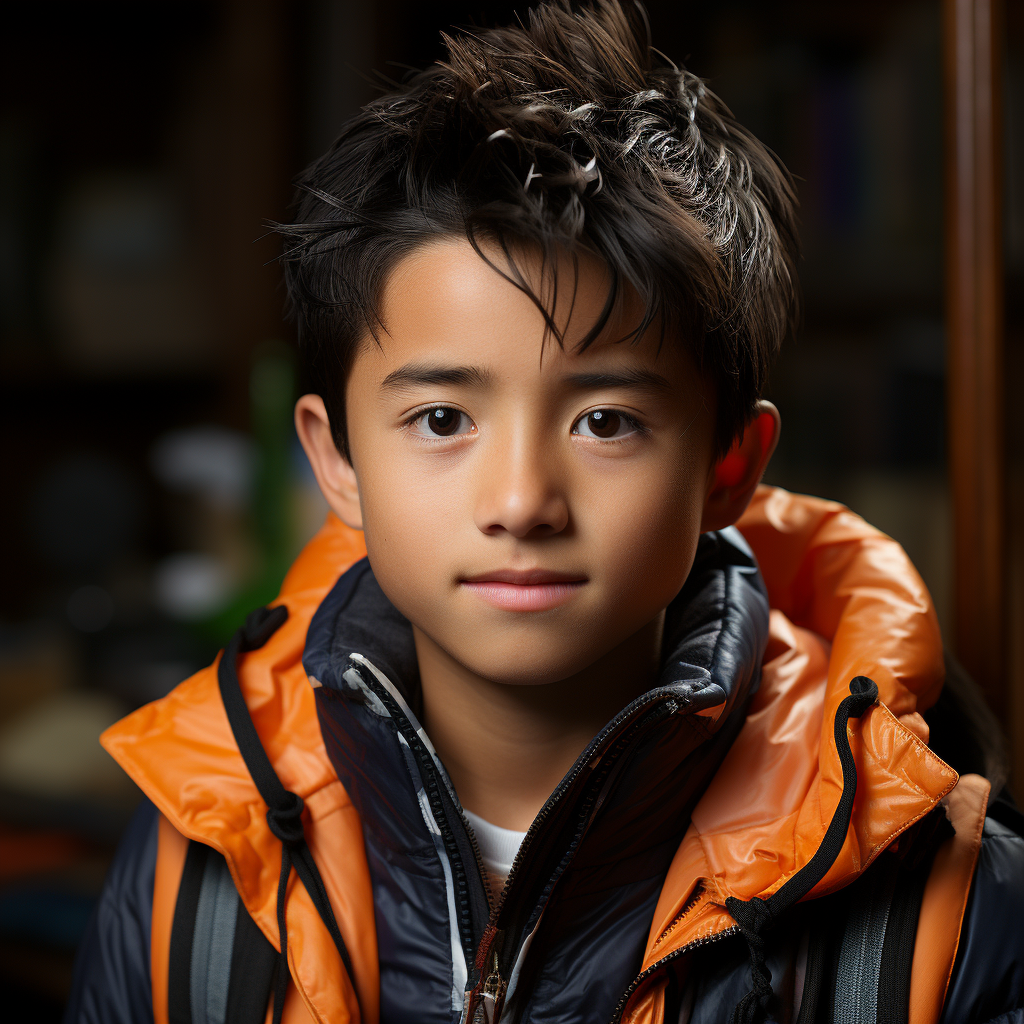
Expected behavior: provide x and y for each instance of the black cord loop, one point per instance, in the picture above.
(286, 822)
(284, 808)
(755, 915)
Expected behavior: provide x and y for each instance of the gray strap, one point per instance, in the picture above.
(860, 953)
(212, 943)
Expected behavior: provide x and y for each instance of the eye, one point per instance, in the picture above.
(606, 424)
(442, 421)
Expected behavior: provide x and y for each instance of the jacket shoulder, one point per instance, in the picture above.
(180, 749)
(112, 971)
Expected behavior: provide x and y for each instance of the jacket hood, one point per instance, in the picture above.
(845, 601)
(586, 880)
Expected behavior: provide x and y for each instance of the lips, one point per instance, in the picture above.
(525, 590)
(526, 577)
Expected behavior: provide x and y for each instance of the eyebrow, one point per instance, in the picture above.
(421, 374)
(425, 375)
(636, 379)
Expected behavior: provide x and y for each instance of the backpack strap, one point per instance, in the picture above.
(898, 947)
(858, 999)
(221, 965)
(861, 940)
(284, 808)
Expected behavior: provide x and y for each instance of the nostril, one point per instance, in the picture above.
(524, 523)
(521, 497)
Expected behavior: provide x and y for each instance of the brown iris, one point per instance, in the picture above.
(444, 422)
(604, 423)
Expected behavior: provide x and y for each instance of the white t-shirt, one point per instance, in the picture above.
(498, 848)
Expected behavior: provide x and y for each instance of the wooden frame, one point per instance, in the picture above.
(976, 386)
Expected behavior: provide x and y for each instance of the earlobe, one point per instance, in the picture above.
(737, 474)
(334, 473)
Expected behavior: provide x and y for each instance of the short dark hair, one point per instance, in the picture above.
(569, 134)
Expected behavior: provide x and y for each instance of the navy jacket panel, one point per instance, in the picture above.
(572, 924)
(112, 983)
(988, 977)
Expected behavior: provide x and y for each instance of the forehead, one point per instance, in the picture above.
(445, 303)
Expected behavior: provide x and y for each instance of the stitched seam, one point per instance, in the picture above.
(884, 844)
(920, 744)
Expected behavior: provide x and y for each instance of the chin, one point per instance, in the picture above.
(517, 671)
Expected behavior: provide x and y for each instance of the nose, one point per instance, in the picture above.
(522, 492)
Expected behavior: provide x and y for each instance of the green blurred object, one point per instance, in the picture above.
(271, 400)
(272, 397)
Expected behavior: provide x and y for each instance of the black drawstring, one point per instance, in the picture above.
(756, 914)
(284, 808)
(284, 817)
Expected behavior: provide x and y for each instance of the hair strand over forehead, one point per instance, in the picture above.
(569, 135)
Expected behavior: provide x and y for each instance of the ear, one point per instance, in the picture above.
(334, 474)
(736, 475)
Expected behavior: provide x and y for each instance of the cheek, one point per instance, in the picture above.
(649, 530)
(396, 527)
(408, 528)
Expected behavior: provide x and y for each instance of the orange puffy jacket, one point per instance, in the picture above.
(845, 602)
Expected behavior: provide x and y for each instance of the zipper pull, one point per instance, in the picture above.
(492, 995)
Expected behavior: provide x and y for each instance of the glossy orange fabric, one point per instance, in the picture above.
(172, 847)
(181, 752)
(945, 899)
(845, 601)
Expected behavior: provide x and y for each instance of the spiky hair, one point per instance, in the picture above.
(569, 135)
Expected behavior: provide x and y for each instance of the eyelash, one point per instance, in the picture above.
(631, 420)
(418, 414)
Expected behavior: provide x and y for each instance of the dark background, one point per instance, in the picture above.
(154, 490)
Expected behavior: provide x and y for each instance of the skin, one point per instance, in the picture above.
(525, 477)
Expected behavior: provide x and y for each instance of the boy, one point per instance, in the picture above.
(545, 754)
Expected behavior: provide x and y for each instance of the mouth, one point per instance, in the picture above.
(525, 590)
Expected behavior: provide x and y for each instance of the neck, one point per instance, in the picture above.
(506, 746)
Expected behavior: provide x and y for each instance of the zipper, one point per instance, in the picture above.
(493, 949)
(688, 908)
(503, 956)
(492, 995)
(479, 857)
(706, 940)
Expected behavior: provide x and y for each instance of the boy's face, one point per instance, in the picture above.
(528, 508)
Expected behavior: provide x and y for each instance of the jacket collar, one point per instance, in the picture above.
(845, 601)
(631, 792)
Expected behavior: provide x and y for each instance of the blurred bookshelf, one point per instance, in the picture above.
(142, 147)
